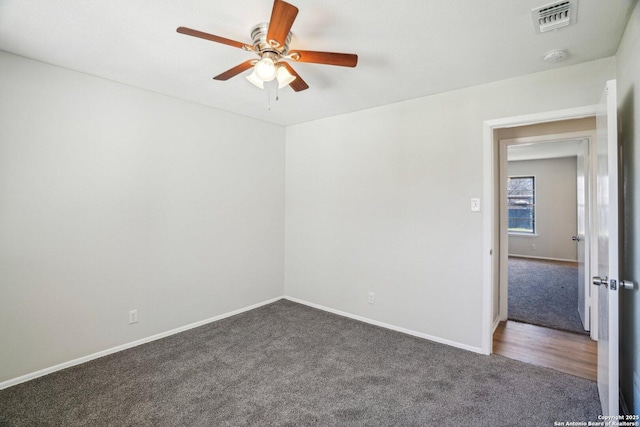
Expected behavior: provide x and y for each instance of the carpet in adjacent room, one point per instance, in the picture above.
(544, 293)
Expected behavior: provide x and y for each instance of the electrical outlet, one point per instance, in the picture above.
(133, 316)
(533, 247)
(372, 298)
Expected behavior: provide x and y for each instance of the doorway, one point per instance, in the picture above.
(545, 205)
(604, 260)
(545, 213)
(577, 124)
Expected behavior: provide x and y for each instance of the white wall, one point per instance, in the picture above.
(628, 66)
(379, 200)
(555, 209)
(114, 198)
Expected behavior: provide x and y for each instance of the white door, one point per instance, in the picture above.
(607, 230)
(584, 280)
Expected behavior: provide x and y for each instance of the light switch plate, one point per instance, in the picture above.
(475, 205)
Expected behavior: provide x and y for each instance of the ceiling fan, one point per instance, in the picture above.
(271, 43)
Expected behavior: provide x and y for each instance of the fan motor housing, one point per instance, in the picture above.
(260, 43)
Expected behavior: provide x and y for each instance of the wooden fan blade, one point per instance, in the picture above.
(235, 70)
(328, 58)
(298, 84)
(211, 37)
(282, 17)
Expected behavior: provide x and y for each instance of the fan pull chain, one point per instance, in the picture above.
(269, 85)
(268, 97)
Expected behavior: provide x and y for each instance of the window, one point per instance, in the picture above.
(521, 198)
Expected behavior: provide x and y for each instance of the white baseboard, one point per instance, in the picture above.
(84, 359)
(387, 326)
(126, 346)
(543, 257)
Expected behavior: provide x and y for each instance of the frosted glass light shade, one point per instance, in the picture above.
(253, 78)
(265, 69)
(284, 77)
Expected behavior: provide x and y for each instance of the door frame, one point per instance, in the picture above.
(503, 144)
(491, 220)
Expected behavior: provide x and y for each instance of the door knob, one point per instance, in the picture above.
(597, 280)
(627, 284)
(624, 284)
(576, 238)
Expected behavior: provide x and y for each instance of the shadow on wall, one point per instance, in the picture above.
(629, 301)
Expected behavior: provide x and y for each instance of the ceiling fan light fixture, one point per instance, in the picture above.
(253, 78)
(265, 69)
(271, 43)
(284, 77)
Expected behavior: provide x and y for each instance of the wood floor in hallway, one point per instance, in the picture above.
(567, 352)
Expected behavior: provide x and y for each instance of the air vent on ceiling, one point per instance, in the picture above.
(555, 15)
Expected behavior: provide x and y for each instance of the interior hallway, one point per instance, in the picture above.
(563, 351)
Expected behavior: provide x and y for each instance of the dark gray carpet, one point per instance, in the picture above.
(544, 293)
(286, 364)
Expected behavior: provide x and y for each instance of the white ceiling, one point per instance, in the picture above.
(406, 48)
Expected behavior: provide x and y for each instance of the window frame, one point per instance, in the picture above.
(534, 232)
